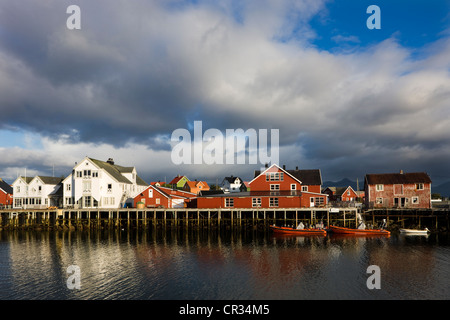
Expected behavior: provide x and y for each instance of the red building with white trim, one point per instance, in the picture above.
(161, 197)
(273, 188)
(6, 194)
(345, 194)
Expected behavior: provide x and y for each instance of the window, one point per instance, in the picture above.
(273, 202)
(150, 193)
(87, 173)
(158, 201)
(256, 202)
(18, 188)
(379, 187)
(87, 201)
(79, 174)
(398, 189)
(293, 186)
(68, 187)
(305, 188)
(229, 202)
(274, 187)
(319, 201)
(86, 186)
(109, 187)
(95, 174)
(419, 186)
(415, 200)
(274, 176)
(379, 201)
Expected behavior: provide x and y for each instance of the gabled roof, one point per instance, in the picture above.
(27, 180)
(177, 179)
(398, 178)
(50, 180)
(5, 186)
(194, 184)
(339, 191)
(116, 171)
(112, 169)
(305, 177)
(232, 179)
(258, 172)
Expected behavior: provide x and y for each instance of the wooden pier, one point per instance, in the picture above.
(216, 218)
(155, 217)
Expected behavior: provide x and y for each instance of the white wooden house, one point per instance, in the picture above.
(233, 184)
(99, 184)
(37, 192)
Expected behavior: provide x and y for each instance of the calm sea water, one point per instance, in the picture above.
(200, 265)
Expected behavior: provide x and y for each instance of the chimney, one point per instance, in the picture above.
(267, 165)
(284, 167)
(110, 161)
(296, 168)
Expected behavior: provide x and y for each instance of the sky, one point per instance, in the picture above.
(346, 99)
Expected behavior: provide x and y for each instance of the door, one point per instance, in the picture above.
(311, 202)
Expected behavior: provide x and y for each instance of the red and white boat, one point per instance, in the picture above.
(300, 232)
(351, 231)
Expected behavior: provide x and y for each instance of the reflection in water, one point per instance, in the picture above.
(206, 264)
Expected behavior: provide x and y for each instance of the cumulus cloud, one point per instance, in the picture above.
(137, 70)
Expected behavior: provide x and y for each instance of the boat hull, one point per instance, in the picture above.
(300, 232)
(413, 232)
(350, 231)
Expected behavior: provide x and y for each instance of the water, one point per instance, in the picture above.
(211, 265)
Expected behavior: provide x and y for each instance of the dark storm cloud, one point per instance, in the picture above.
(137, 70)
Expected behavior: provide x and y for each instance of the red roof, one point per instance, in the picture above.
(176, 179)
(398, 178)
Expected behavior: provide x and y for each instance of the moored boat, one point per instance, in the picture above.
(352, 231)
(300, 232)
(414, 231)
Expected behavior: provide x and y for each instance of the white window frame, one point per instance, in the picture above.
(256, 202)
(273, 202)
(229, 202)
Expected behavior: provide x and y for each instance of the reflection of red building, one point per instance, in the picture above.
(6, 194)
(273, 188)
(161, 197)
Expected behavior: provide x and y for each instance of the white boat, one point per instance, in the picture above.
(414, 231)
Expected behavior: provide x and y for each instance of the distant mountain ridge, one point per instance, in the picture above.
(344, 183)
(443, 189)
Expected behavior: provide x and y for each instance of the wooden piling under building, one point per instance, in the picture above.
(125, 218)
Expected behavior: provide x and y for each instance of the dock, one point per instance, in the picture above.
(126, 218)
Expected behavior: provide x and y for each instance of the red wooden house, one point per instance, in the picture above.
(161, 197)
(196, 186)
(398, 190)
(6, 194)
(341, 193)
(273, 188)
